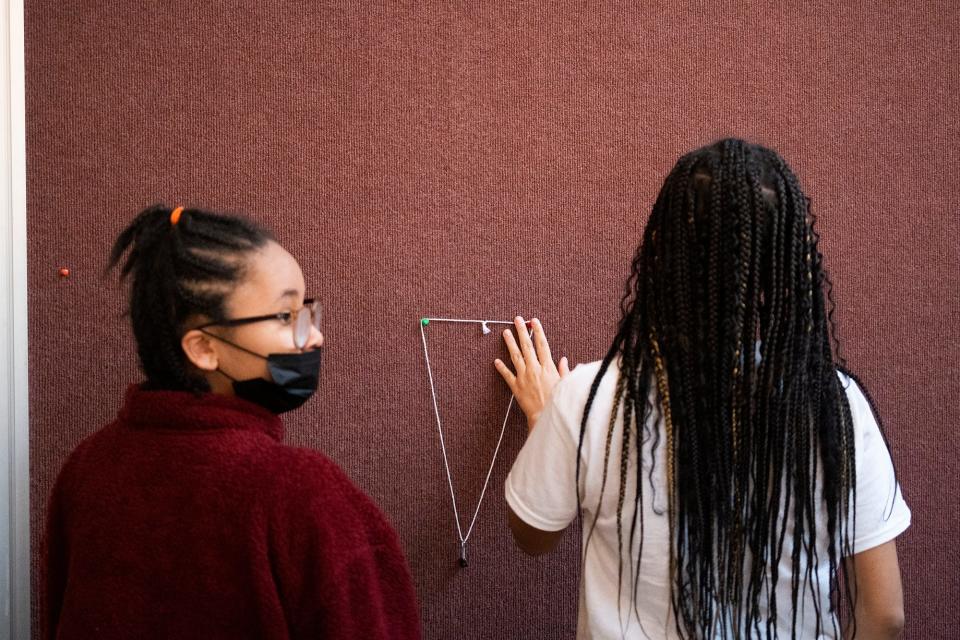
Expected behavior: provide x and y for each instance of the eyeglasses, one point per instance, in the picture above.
(303, 321)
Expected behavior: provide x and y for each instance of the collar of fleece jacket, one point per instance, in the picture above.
(183, 410)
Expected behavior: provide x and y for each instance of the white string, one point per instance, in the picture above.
(433, 393)
(443, 447)
(467, 321)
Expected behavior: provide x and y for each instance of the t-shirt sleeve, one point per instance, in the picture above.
(881, 512)
(541, 487)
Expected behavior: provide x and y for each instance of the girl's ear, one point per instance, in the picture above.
(200, 350)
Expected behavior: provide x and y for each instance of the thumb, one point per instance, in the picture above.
(564, 366)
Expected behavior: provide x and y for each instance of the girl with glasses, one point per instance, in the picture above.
(187, 516)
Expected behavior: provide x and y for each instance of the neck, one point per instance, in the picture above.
(219, 383)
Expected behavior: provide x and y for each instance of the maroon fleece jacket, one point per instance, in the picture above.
(187, 517)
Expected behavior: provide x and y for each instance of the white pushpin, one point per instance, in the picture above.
(484, 327)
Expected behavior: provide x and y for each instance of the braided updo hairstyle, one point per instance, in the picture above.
(183, 265)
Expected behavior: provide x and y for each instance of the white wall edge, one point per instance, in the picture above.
(14, 381)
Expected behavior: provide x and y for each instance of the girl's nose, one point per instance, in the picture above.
(315, 340)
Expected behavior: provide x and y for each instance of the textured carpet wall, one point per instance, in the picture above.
(483, 160)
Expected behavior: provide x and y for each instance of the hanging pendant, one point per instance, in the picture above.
(485, 328)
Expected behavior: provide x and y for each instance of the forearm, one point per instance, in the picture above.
(532, 420)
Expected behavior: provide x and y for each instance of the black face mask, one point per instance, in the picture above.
(293, 379)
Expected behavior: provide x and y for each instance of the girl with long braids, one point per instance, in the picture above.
(731, 478)
(187, 516)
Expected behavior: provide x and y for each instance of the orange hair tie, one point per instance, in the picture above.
(175, 216)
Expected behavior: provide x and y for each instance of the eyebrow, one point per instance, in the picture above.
(289, 293)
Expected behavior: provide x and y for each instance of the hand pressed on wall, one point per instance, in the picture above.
(536, 373)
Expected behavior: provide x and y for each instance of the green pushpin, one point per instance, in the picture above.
(424, 321)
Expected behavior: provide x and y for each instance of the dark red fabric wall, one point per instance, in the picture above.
(484, 160)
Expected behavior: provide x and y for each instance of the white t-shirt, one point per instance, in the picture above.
(541, 490)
